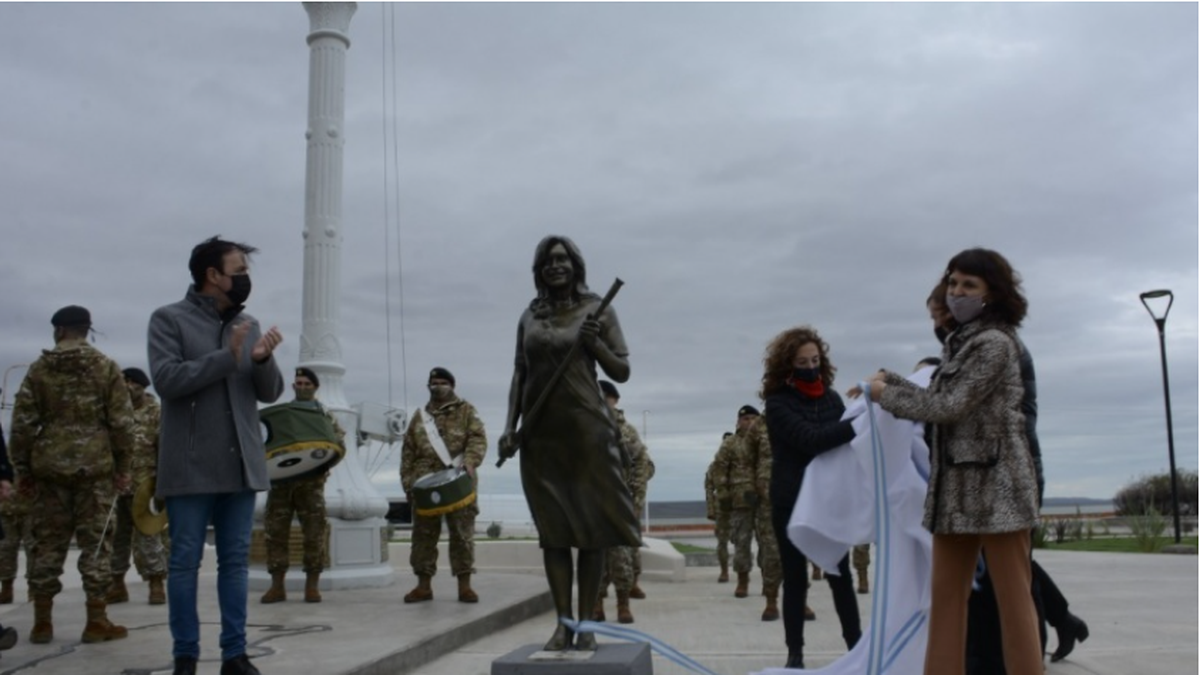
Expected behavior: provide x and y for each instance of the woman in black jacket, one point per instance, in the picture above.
(803, 415)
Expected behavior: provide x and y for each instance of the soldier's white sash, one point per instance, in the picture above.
(435, 439)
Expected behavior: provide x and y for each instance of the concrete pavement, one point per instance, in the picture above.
(1142, 611)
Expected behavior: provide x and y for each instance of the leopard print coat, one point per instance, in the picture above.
(982, 476)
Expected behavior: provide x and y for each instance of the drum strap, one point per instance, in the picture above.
(435, 439)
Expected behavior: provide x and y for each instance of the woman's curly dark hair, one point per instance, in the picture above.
(777, 359)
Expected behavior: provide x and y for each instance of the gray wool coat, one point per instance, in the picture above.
(982, 477)
(210, 440)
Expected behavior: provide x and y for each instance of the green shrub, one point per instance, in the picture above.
(493, 530)
(1060, 527)
(1039, 535)
(1148, 529)
(1154, 491)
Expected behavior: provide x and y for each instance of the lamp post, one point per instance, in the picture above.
(1161, 322)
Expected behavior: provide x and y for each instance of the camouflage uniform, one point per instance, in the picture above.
(16, 523)
(623, 563)
(735, 475)
(73, 429)
(462, 431)
(150, 552)
(758, 447)
(717, 513)
(861, 557)
(305, 497)
(639, 477)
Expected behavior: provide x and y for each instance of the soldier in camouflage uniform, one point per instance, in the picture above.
(735, 474)
(758, 448)
(14, 524)
(642, 471)
(73, 437)
(719, 514)
(305, 497)
(462, 431)
(8, 635)
(623, 563)
(149, 551)
(861, 558)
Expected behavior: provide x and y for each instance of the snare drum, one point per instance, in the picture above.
(149, 514)
(300, 439)
(445, 491)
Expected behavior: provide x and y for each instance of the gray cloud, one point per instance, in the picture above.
(743, 168)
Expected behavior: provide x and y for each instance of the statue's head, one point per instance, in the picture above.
(543, 260)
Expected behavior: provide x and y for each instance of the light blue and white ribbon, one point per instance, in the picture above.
(630, 635)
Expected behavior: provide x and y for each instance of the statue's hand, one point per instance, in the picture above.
(508, 443)
(589, 332)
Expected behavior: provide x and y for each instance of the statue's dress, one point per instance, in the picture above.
(570, 460)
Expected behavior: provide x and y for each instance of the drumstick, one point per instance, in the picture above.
(104, 532)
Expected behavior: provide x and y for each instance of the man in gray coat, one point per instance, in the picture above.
(211, 364)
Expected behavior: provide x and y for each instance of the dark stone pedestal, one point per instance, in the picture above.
(608, 659)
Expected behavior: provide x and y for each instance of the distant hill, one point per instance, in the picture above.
(677, 510)
(1074, 501)
(693, 510)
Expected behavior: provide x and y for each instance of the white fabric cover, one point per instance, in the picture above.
(839, 506)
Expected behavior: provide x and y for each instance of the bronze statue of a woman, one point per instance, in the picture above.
(570, 457)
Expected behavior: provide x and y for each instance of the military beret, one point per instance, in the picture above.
(441, 373)
(609, 389)
(72, 315)
(312, 377)
(747, 410)
(136, 376)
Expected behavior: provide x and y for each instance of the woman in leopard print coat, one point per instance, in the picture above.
(982, 484)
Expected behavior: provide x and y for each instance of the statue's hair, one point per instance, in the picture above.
(540, 303)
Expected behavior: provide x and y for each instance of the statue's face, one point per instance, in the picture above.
(557, 271)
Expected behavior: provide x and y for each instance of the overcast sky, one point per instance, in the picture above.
(743, 168)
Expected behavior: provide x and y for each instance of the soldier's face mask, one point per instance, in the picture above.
(305, 391)
(440, 392)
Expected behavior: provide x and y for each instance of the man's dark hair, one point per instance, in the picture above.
(211, 253)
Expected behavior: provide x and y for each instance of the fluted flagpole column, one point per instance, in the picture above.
(320, 347)
(356, 510)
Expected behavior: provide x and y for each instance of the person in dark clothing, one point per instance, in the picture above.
(803, 415)
(8, 635)
(984, 650)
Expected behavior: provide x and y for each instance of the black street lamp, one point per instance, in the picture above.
(1161, 322)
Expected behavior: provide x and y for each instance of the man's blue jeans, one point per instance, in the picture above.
(232, 515)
